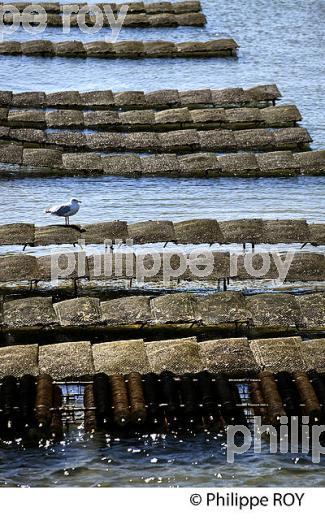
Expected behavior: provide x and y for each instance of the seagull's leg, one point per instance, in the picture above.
(68, 221)
(65, 221)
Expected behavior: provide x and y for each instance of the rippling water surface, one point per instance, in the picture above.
(282, 41)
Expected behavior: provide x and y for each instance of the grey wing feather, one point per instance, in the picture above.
(60, 211)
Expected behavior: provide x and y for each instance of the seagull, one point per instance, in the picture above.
(65, 210)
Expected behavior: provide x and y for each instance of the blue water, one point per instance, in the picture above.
(282, 41)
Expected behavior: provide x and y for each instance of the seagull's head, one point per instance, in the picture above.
(75, 201)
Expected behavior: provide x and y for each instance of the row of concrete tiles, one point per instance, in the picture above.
(235, 357)
(260, 95)
(123, 49)
(272, 164)
(175, 141)
(186, 6)
(197, 231)
(228, 310)
(171, 119)
(197, 266)
(131, 20)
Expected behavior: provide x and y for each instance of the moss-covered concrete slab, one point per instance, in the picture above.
(230, 356)
(279, 354)
(121, 357)
(29, 312)
(177, 355)
(78, 312)
(66, 360)
(18, 360)
(127, 311)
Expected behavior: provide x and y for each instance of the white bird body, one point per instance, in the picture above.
(65, 210)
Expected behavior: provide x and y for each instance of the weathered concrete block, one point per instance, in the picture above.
(136, 20)
(64, 118)
(137, 119)
(18, 360)
(244, 164)
(105, 141)
(16, 234)
(273, 311)
(27, 117)
(115, 231)
(317, 233)
(174, 308)
(10, 47)
(152, 231)
(277, 163)
(28, 135)
(57, 234)
(121, 357)
(43, 158)
(162, 98)
(163, 164)
(66, 360)
(126, 164)
(199, 164)
(208, 118)
(66, 138)
(291, 137)
(285, 231)
(229, 356)
(134, 7)
(78, 312)
(243, 117)
(281, 115)
(158, 7)
(198, 231)
(99, 49)
(307, 267)
(313, 353)
(258, 139)
(163, 20)
(310, 163)
(242, 231)
(191, 19)
(82, 161)
(11, 154)
(102, 118)
(130, 99)
(100, 99)
(189, 6)
(222, 47)
(70, 98)
(18, 268)
(127, 311)
(264, 93)
(173, 117)
(147, 142)
(279, 354)
(5, 98)
(129, 49)
(37, 47)
(195, 98)
(256, 266)
(177, 355)
(29, 312)
(69, 48)
(28, 99)
(62, 266)
(223, 309)
(229, 97)
(108, 266)
(312, 309)
(217, 140)
(159, 49)
(179, 141)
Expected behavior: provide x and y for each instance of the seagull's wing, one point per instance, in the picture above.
(60, 210)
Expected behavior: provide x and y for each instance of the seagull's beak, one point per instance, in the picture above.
(79, 201)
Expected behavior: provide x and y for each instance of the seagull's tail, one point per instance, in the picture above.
(48, 210)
